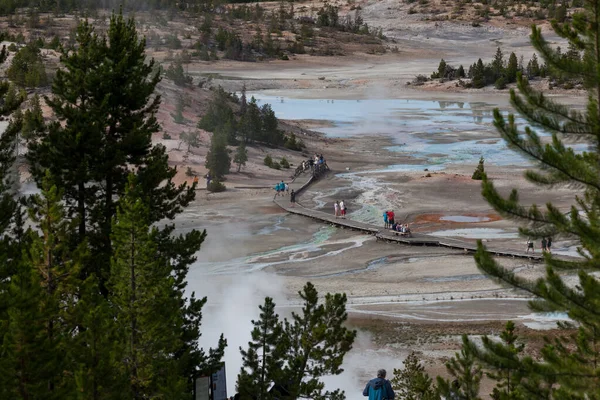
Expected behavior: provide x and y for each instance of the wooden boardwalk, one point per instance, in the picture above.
(387, 235)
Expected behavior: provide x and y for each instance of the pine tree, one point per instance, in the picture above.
(498, 64)
(178, 117)
(243, 101)
(412, 382)
(316, 342)
(512, 68)
(48, 275)
(146, 308)
(568, 362)
(241, 156)
(33, 120)
(191, 138)
(270, 132)
(478, 79)
(442, 69)
(262, 362)
(251, 122)
(479, 171)
(533, 67)
(105, 96)
(218, 161)
(502, 358)
(467, 377)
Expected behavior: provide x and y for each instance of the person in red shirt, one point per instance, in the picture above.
(391, 216)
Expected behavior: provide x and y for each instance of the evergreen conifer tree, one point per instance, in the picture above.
(502, 359)
(479, 171)
(144, 299)
(262, 361)
(316, 343)
(105, 96)
(498, 64)
(241, 156)
(442, 69)
(568, 364)
(467, 377)
(478, 79)
(512, 68)
(178, 115)
(412, 382)
(33, 120)
(218, 161)
(243, 101)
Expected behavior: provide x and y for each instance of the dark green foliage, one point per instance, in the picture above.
(262, 362)
(105, 101)
(27, 67)
(284, 163)
(533, 67)
(219, 115)
(292, 143)
(442, 69)
(268, 161)
(241, 156)
(412, 382)
(460, 72)
(275, 165)
(146, 305)
(512, 68)
(479, 171)
(497, 65)
(176, 73)
(500, 83)
(218, 161)
(466, 377)
(328, 16)
(502, 361)
(216, 186)
(567, 365)
(316, 343)
(33, 120)
(478, 79)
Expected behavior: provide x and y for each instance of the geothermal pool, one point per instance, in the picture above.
(434, 133)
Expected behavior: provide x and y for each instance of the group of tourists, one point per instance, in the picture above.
(339, 209)
(281, 189)
(546, 245)
(389, 221)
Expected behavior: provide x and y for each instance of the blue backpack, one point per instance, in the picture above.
(378, 394)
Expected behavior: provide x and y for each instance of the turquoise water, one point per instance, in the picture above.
(424, 130)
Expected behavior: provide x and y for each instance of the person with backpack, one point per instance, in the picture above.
(379, 388)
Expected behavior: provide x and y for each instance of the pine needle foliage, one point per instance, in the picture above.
(263, 360)
(569, 364)
(412, 382)
(466, 374)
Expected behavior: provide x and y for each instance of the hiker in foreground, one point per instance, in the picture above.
(379, 388)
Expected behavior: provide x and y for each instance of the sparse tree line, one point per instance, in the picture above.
(235, 121)
(508, 9)
(501, 72)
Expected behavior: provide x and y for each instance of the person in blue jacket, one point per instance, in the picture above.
(379, 388)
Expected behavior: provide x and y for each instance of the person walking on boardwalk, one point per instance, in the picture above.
(529, 246)
(277, 190)
(379, 388)
(336, 208)
(342, 209)
(544, 245)
(385, 219)
(293, 198)
(391, 217)
(549, 245)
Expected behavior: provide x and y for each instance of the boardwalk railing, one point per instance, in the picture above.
(387, 235)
